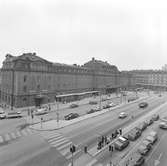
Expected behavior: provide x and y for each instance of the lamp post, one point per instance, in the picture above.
(57, 110)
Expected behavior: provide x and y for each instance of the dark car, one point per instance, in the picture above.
(14, 115)
(73, 105)
(91, 111)
(143, 105)
(136, 160)
(71, 116)
(106, 106)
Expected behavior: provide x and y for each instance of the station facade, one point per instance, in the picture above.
(28, 79)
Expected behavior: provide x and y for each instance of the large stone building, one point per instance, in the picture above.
(152, 79)
(28, 79)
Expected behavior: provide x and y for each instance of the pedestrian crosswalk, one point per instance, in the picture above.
(60, 142)
(14, 135)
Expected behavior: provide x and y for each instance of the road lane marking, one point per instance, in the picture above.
(155, 147)
(52, 135)
(157, 161)
(59, 144)
(56, 138)
(64, 146)
(60, 140)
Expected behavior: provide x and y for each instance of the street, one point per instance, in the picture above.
(52, 147)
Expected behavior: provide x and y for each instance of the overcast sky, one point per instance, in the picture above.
(131, 34)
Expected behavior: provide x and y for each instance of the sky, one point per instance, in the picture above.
(130, 34)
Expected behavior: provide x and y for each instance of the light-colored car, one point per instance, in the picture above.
(122, 115)
(163, 125)
(41, 111)
(2, 114)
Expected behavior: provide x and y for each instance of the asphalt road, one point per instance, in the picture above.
(37, 152)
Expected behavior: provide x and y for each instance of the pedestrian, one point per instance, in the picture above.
(120, 131)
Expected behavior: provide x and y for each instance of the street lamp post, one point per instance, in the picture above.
(100, 100)
(57, 113)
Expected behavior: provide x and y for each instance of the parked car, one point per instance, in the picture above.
(153, 134)
(41, 111)
(122, 115)
(142, 126)
(106, 106)
(143, 105)
(146, 143)
(151, 139)
(121, 143)
(163, 125)
(14, 115)
(2, 114)
(91, 111)
(133, 134)
(93, 102)
(143, 149)
(155, 117)
(149, 121)
(73, 105)
(71, 116)
(132, 99)
(136, 160)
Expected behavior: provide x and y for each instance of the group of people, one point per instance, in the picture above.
(104, 140)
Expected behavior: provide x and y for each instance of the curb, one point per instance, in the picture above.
(86, 116)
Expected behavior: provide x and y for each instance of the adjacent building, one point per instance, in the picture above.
(152, 79)
(29, 79)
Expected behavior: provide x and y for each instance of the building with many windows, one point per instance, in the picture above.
(28, 79)
(152, 79)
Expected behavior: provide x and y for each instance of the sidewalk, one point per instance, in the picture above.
(53, 124)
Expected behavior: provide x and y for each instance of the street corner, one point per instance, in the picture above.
(49, 125)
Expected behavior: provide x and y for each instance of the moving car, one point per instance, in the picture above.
(71, 116)
(2, 114)
(121, 143)
(136, 160)
(14, 115)
(163, 125)
(73, 105)
(122, 115)
(143, 105)
(41, 111)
